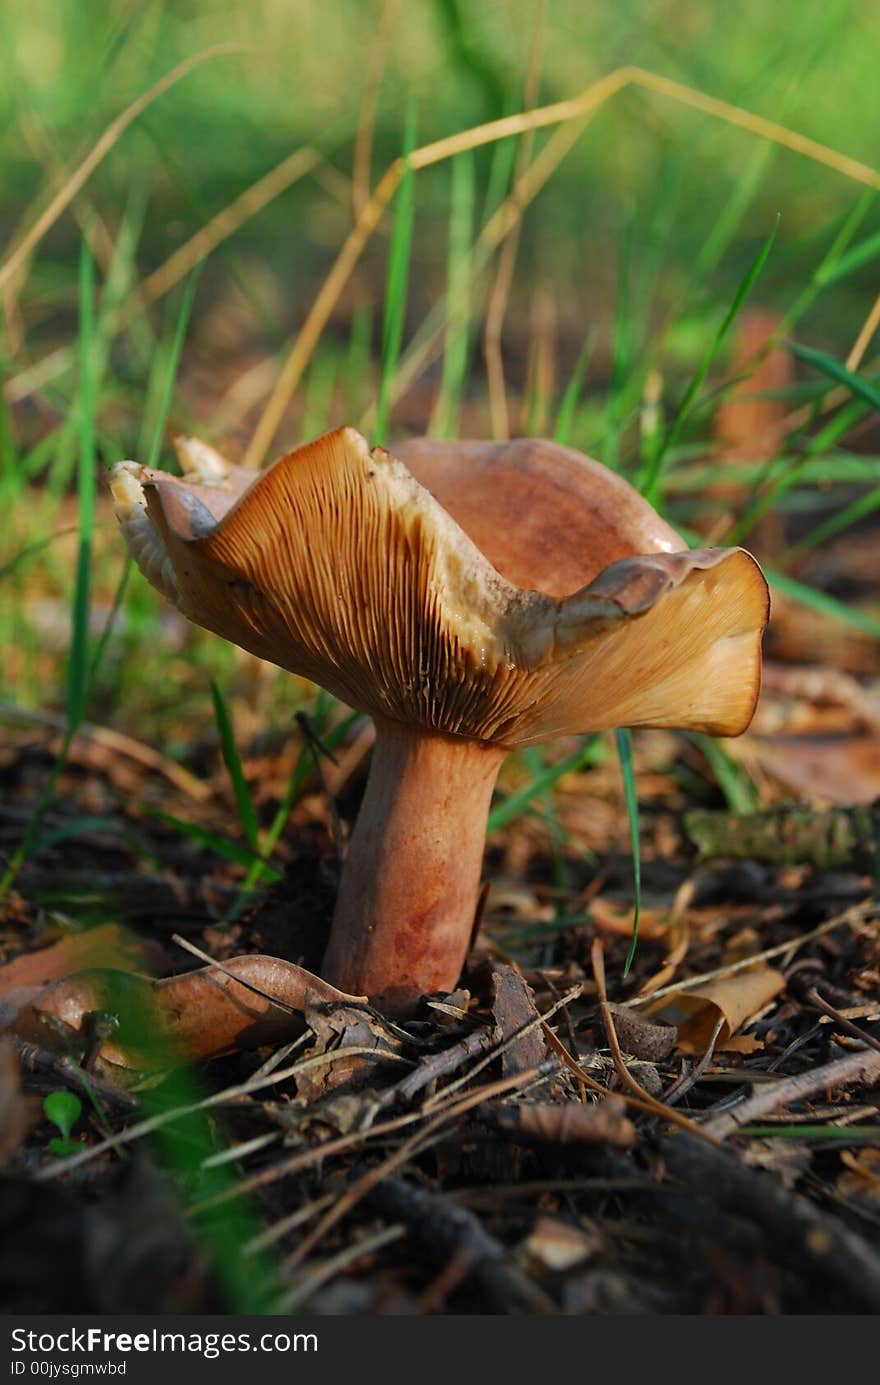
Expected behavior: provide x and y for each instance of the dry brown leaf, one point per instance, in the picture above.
(512, 1007)
(734, 1000)
(345, 1026)
(612, 919)
(640, 1038)
(105, 946)
(841, 770)
(603, 1122)
(244, 1003)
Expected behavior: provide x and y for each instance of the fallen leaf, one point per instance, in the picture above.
(105, 946)
(339, 1028)
(244, 1003)
(602, 1122)
(512, 1007)
(734, 1000)
(843, 770)
(640, 1038)
(610, 918)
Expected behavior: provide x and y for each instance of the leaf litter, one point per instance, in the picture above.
(487, 1155)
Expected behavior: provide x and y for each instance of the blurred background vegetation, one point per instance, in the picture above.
(635, 264)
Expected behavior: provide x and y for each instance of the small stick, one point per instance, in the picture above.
(863, 1066)
(854, 1030)
(502, 1048)
(418, 1141)
(436, 1065)
(310, 1284)
(658, 1108)
(856, 913)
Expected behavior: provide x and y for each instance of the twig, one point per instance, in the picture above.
(445, 1231)
(856, 913)
(436, 1065)
(863, 1066)
(280, 1228)
(229, 1094)
(807, 1242)
(685, 1082)
(841, 1021)
(434, 1129)
(658, 1108)
(50, 1069)
(310, 1283)
(497, 1051)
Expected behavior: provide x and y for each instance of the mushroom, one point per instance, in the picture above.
(471, 597)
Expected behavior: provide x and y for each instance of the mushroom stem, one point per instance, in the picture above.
(409, 891)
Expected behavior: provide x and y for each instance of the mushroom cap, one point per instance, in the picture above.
(508, 593)
(547, 517)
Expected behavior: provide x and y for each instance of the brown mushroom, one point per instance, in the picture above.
(479, 597)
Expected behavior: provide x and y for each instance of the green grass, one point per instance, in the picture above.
(396, 285)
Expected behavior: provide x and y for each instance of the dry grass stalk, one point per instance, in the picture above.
(578, 109)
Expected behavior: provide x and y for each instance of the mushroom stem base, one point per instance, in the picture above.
(409, 891)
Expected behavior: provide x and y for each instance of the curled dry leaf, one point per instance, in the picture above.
(248, 1002)
(609, 918)
(640, 1038)
(733, 1000)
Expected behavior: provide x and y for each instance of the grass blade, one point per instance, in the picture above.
(821, 601)
(243, 801)
(857, 509)
(654, 471)
(230, 851)
(395, 289)
(863, 389)
(78, 661)
(167, 390)
(569, 403)
(304, 764)
(515, 804)
(738, 790)
(458, 274)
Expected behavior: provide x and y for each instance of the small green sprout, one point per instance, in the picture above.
(63, 1109)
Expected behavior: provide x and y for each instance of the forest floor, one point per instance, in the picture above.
(702, 1136)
